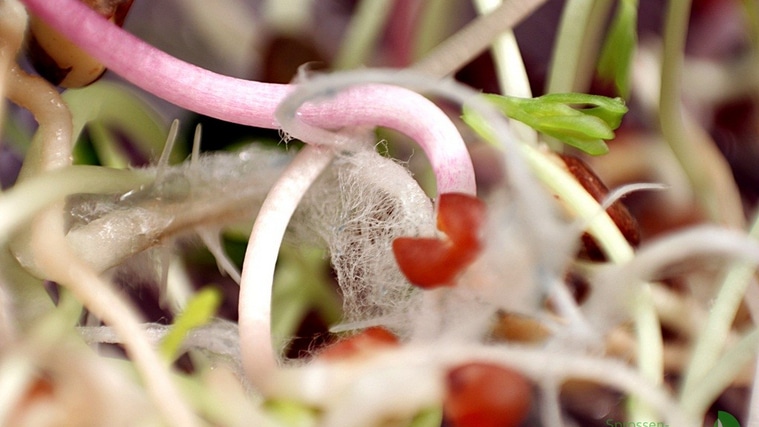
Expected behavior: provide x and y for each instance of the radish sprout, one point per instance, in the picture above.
(207, 290)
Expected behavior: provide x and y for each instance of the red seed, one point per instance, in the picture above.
(486, 395)
(365, 342)
(429, 262)
(460, 217)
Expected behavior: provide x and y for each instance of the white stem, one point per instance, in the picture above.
(55, 258)
(259, 357)
(510, 69)
(470, 41)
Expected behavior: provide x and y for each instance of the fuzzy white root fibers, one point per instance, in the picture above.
(358, 208)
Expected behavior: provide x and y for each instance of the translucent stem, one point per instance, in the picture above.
(570, 46)
(470, 41)
(363, 31)
(433, 24)
(713, 338)
(53, 256)
(650, 350)
(510, 69)
(12, 26)
(716, 380)
(599, 224)
(260, 359)
(707, 170)
(51, 146)
(24, 200)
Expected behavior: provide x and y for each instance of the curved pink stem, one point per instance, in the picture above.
(253, 103)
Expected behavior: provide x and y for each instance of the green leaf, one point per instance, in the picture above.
(610, 110)
(580, 120)
(618, 51)
(594, 147)
(566, 127)
(199, 311)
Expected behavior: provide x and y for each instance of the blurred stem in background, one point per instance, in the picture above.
(709, 174)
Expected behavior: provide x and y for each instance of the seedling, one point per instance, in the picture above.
(426, 282)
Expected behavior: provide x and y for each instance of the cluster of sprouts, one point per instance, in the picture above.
(444, 298)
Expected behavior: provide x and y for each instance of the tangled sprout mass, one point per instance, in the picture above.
(377, 243)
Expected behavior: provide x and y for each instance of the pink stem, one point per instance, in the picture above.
(253, 103)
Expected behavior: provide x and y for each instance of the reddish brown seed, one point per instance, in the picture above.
(430, 262)
(486, 395)
(617, 211)
(460, 217)
(363, 343)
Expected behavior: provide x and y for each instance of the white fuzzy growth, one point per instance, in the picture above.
(219, 337)
(358, 209)
(217, 190)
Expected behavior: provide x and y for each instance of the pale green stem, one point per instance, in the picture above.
(475, 37)
(706, 169)
(569, 47)
(510, 69)
(363, 31)
(591, 44)
(562, 183)
(114, 105)
(575, 48)
(52, 255)
(711, 342)
(715, 381)
(107, 148)
(650, 350)
(434, 25)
